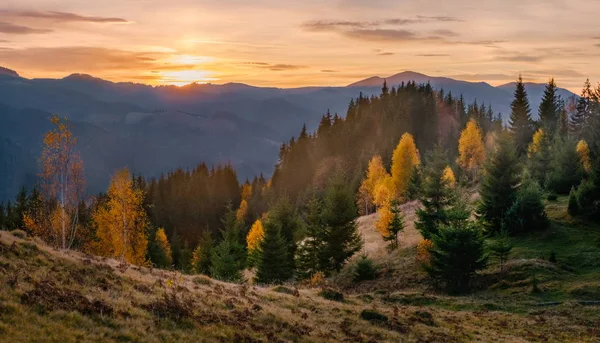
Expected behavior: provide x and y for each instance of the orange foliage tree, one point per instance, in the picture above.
(471, 150)
(404, 159)
(449, 177)
(375, 173)
(121, 222)
(62, 180)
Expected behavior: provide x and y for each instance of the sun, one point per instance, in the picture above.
(185, 77)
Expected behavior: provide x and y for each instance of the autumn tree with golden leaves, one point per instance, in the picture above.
(471, 150)
(583, 150)
(121, 223)
(253, 240)
(63, 182)
(404, 159)
(449, 177)
(375, 174)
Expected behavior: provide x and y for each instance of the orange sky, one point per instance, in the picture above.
(299, 43)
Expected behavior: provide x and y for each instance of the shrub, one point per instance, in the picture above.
(364, 269)
(373, 317)
(331, 294)
(527, 212)
(317, 280)
(551, 196)
(573, 207)
(586, 203)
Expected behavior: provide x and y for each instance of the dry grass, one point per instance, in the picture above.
(56, 296)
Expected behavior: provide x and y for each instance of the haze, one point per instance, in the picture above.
(302, 43)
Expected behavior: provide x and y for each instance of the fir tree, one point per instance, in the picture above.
(436, 195)
(340, 236)
(274, 262)
(520, 119)
(565, 170)
(283, 215)
(550, 109)
(500, 184)
(457, 254)
(583, 112)
(527, 213)
(413, 190)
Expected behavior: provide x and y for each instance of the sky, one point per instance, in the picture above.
(286, 43)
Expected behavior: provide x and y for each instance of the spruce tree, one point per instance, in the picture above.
(501, 179)
(395, 226)
(284, 216)
(273, 266)
(584, 110)
(565, 170)
(341, 238)
(224, 263)
(457, 254)
(309, 250)
(527, 213)
(550, 109)
(520, 123)
(436, 197)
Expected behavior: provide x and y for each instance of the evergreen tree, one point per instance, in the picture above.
(520, 119)
(573, 206)
(395, 226)
(457, 254)
(550, 109)
(527, 213)
(580, 118)
(311, 247)
(284, 216)
(224, 263)
(436, 197)
(253, 240)
(159, 250)
(500, 184)
(413, 190)
(201, 256)
(364, 269)
(565, 170)
(500, 247)
(274, 264)
(539, 156)
(340, 236)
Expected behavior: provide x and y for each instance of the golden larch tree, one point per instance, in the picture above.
(471, 150)
(536, 143)
(255, 235)
(449, 177)
(583, 150)
(241, 212)
(385, 191)
(404, 159)
(385, 218)
(121, 223)
(62, 181)
(375, 173)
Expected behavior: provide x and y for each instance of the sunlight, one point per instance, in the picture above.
(185, 77)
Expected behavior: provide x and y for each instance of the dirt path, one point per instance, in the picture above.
(374, 245)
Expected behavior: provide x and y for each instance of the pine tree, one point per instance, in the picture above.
(274, 265)
(471, 149)
(550, 109)
(501, 179)
(341, 237)
(436, 195)
(457, 254)
(405, 158)
(520, 119)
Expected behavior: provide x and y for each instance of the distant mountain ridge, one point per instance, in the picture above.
(153, 129)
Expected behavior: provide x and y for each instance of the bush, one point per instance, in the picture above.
(586, 193)
(551, 196)
(573, 207)
(365, 269)
(331, 294)
(527, 212)
(373, 317)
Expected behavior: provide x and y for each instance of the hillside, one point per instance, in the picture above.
(58, 296)
(157, 128)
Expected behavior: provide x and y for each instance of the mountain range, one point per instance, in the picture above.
(153, 129)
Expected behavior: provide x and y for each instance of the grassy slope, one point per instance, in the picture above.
(53, 296)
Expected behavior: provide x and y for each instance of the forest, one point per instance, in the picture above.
(410, 143)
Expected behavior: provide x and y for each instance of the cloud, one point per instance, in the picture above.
(336, 25)
(328, 71)
(519, 58)
(63, 16)
(14, 29)
(432, 55)
(273, 67)
(445, 33)
(597, 45)
(381, 35)
(385, 54)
